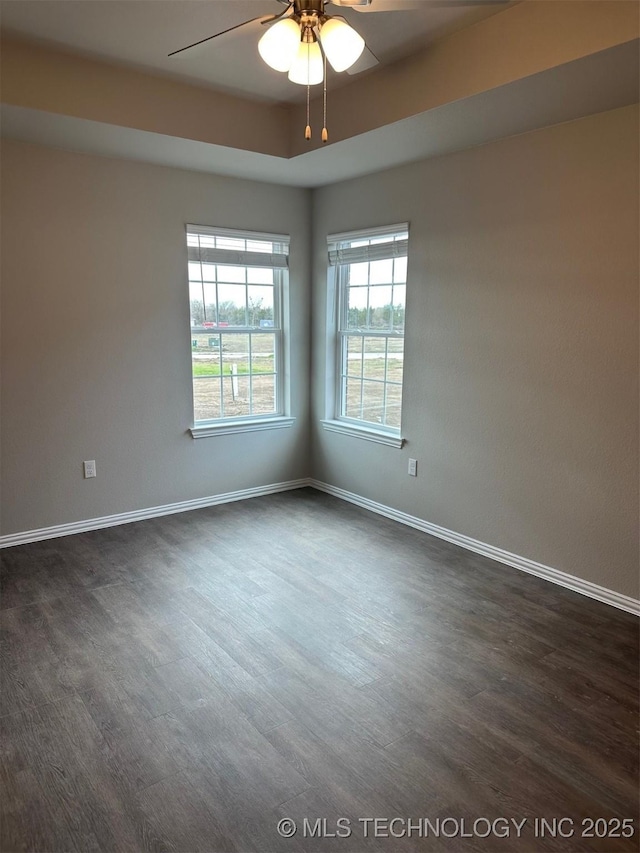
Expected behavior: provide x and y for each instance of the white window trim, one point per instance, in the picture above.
(358, 430)
(229, 427)
(259, 422)
(332, 423)
(240, 233)
(365, 233)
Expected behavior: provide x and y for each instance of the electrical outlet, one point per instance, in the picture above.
(413, 468)
(89, 468)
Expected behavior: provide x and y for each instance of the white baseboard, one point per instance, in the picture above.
(592, 590)
(141, 514)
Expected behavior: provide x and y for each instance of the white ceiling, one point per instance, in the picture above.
(141, 33)
(603, 81)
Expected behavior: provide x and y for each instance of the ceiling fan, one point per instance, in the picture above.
(303, 37)
(305, 22)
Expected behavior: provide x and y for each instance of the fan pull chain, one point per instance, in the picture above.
(307, 130)
(325, 132)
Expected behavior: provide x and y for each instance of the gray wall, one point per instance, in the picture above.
(521, 382)
(96, 343)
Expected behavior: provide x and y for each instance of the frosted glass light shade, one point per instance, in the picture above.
(307, 67)
(279, 45)
(341, 44)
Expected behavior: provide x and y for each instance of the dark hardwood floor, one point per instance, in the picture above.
(185, 683)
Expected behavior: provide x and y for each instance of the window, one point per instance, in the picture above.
(236, 290)
(370, 287)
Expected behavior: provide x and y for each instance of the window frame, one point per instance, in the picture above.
(278, 262)
(339, 333)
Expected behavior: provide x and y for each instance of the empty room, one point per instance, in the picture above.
(319, 426)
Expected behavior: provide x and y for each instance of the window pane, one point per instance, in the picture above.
(357, 307)
(197, 306)
(399, 296)
(380, 307)
(400, 269)
(381, 272)
(232, 304)
(209, 272)
(206, 399)
(195, 273)
(354, 356)
(352, 398)
(234, 244)
(235, 398)
(205, 354)
(258, 275)
(260, 306)
(359, 273)
(264, 395)
(209, 314)
(235, 351)
(206, 241)
(231, 274)
(395, 360)
(373, 401)
(263, 353)
(374, 358)
(394, 406)
(260, 246)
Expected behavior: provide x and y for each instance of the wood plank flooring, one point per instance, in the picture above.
(185, 683)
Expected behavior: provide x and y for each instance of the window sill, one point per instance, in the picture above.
(230, 427)
(364, 432)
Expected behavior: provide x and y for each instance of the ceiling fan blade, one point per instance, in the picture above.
(443, 4)
(408, 5)
(367, 60)
(262, 18)
(389, 5)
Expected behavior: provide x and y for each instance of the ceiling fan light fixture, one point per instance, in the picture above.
(280, 44)
(307, 67)
(341, 44)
